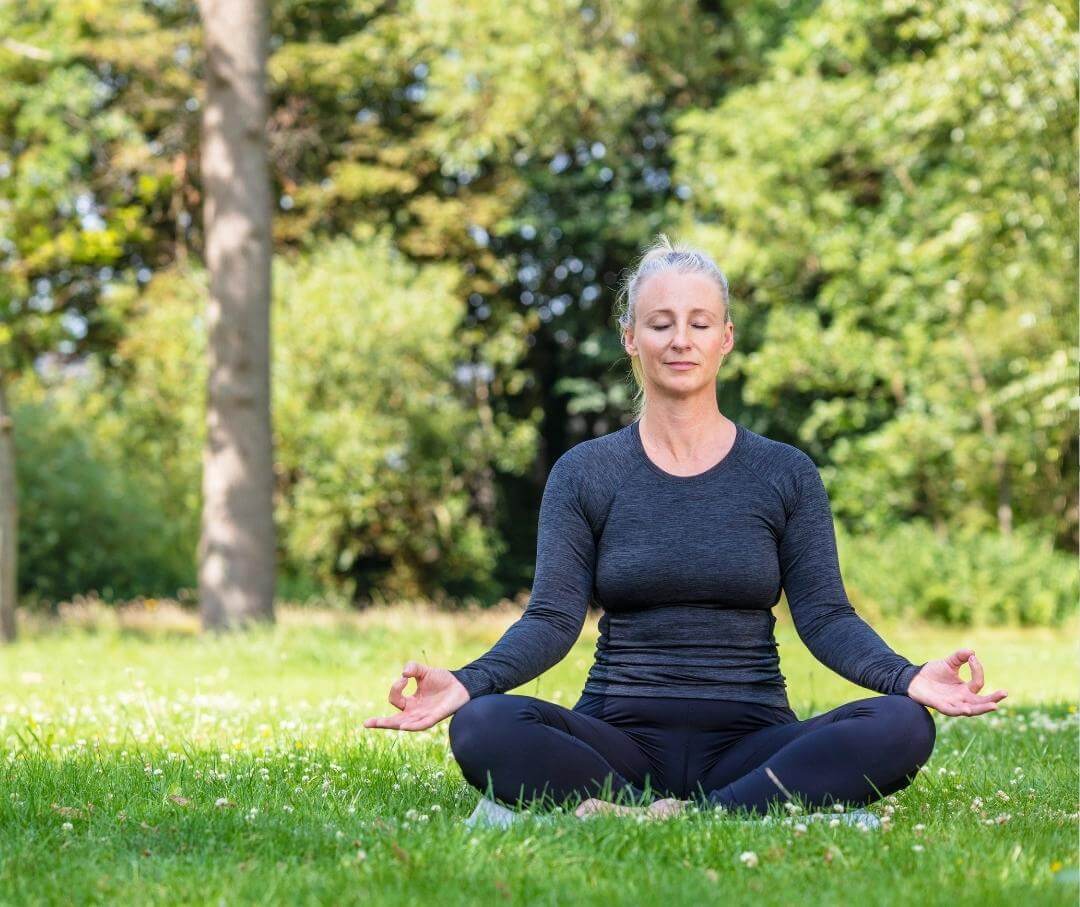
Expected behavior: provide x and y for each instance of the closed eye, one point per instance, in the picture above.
(661, 327)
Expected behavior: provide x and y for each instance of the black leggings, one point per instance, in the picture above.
(715, 752)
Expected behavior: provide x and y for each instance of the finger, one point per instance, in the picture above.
(975, 706)
(388, 721)
(977, 679)
(400, 723)
(966, 696)
(397, 696)
(958, 657)
(983, 707)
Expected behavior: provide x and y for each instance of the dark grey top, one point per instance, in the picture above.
(687, 570)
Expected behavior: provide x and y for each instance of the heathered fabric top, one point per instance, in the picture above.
(687, 570)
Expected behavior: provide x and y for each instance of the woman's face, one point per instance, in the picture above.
(679, 319)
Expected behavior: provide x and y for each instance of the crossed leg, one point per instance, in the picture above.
(856, 753)
(520, 748)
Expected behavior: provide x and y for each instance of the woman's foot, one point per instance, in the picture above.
(666, 808)
(593, 806)
(658, 809)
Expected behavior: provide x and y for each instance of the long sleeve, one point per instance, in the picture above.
(562, 588)
(824, 617)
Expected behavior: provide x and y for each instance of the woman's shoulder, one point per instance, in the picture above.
(771, 455)
(785, 469)
(596, 464)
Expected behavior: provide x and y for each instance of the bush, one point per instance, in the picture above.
(381, 451)
(965, 578)
(85, 523)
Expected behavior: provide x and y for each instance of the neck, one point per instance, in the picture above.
(686, 428)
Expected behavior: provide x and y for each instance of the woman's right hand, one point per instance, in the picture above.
(438, 694)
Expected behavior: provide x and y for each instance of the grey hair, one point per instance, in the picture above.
(661, 257)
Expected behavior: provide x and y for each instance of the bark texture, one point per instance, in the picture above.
(238, 540)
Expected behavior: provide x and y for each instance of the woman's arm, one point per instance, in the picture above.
(824, 617)
(562, 587)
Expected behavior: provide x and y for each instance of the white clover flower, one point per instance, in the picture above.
(287, 808)
(920, 827)
(749, 858)
(800, 829)
(833, 823)
(435, 807)
(918, 848)
(838, 807)
(67, 826)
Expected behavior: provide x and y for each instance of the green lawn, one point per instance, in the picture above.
(143, 763)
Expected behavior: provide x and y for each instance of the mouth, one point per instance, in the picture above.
(681, 365)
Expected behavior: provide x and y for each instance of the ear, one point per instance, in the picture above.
(729, 339)
(628, 342)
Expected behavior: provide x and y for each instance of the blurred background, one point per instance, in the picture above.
(455, 191)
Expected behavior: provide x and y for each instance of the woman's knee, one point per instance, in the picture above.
(467, 723)
(479, 722)
(912, 725)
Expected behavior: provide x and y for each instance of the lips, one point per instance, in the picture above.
(681, 366)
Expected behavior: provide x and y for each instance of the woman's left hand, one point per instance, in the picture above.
(940, 686)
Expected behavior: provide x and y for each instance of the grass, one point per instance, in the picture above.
(143, 764)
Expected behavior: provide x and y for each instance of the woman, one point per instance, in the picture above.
(684, 526)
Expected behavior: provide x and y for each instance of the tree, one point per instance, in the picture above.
(237, 557)
(897, 198)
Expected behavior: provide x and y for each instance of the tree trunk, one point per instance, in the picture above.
(9, 521)
(237, 545)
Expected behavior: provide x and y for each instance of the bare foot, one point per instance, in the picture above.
(665, 809)
(593, 806)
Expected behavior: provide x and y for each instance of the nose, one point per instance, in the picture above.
(681, 339)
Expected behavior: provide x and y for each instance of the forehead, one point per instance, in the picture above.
(679, 292)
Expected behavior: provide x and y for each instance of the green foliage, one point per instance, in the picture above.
(86, 523)
(890, 187)
(380, 449)
(381, 445)
(83, 196)
(967, 578)
(896, 202)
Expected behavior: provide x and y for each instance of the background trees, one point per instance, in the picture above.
(890, 188)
